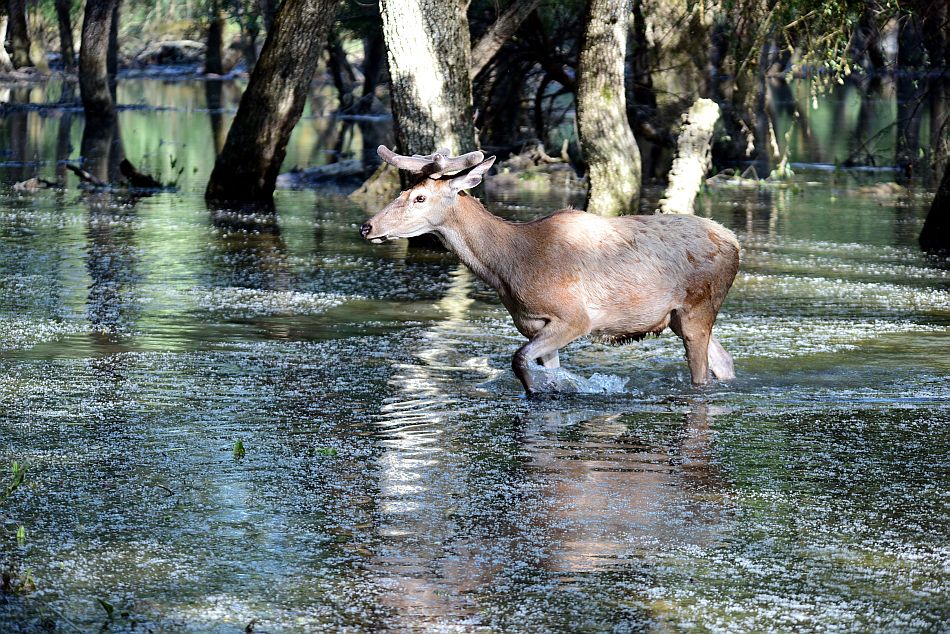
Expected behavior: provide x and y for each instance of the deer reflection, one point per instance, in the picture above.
(598, 488)
(613, 489)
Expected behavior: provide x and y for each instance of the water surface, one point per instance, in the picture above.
(392, 475)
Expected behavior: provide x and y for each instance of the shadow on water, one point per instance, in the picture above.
(390, 475)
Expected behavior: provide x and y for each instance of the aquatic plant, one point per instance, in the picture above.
(18, 473)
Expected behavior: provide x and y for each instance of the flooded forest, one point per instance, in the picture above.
(258, 372)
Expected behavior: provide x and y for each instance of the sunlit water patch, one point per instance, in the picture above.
(776, 292)
(253, 302)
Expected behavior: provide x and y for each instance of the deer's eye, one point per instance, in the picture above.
(420, 198)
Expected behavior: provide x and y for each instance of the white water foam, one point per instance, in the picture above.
(561, 380)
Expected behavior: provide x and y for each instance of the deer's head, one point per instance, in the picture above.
(421, 208)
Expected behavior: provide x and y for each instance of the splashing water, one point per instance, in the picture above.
(559, 380)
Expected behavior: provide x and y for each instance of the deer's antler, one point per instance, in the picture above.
(431, 165)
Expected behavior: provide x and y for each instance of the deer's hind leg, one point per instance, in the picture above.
(720, 361)
(695, 329)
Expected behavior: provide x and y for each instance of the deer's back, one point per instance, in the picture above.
(645, 249)
(646, 263)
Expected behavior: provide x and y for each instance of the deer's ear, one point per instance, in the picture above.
(473, 177)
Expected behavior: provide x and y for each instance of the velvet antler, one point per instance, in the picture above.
(431, 165)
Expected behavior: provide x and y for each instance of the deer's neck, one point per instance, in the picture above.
(484, 242)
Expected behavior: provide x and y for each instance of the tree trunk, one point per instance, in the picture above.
(248, 165)
(499, 32)
(607, 142)
(937, 41)
(93, 60)
(112, 58)
(643, 92)
(910, 60)
(500, 107)
(67, 49)
(249, 34)
(935, 236)
(18, 34)
(865, 47)
(213, 64)
(374, 57)
(268, 11)
(764, 153)
(693, 149)
(341, 71)
(429, 60)
(6, 64)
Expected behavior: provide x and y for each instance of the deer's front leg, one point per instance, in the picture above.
(544, 346)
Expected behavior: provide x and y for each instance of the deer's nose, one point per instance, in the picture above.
(365, 229)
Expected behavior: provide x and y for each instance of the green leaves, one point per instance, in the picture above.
(108, 607)
(18, 474)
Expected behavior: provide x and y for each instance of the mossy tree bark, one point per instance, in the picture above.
(18, 34)
(693, 158)
(429, 59)
(607, 142)
(93, 60)
(247, 168)
(67, 47)
(6, 64)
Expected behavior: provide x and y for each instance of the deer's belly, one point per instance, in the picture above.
(633, 324)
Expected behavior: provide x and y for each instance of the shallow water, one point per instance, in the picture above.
(392, 477)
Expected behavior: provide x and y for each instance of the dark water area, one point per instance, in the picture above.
(389, 475)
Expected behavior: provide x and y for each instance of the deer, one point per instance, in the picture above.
(572, 274)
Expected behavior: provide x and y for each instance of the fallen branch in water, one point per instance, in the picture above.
(85, 176)
(30, 185)
(164, 488)
(136, 178)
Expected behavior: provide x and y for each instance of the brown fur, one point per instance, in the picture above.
(573, 274)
